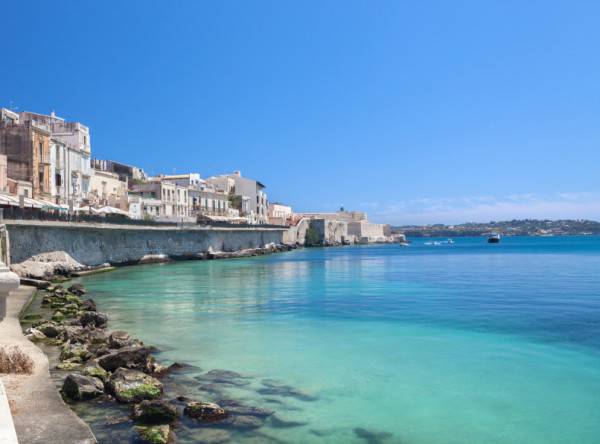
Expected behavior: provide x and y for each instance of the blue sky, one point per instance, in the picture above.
(417, 112)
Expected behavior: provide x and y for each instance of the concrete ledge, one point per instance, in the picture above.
(39, 414)
(8, 435)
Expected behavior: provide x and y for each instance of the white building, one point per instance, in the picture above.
(251, 198)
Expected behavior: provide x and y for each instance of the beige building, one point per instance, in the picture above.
(173, 198)
(280, 214)
(107, 189)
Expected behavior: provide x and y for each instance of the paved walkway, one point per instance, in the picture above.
(39, 413)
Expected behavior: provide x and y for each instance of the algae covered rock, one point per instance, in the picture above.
(157, 434)
(77, 351)
(155, 412)
(79, 387)
(205, 411)
(94, 370)
(128, 385)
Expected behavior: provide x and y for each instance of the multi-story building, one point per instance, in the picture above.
(129, 173)
(26, 145)
(280, 214)
(107, 189)
(251, 199)
(173, 198)
(52, 154)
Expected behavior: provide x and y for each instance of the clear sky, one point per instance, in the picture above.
(417, 112)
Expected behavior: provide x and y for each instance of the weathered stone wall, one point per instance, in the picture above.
(331, 231)
(93, 245)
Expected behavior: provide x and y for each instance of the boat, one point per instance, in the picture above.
(494, 238)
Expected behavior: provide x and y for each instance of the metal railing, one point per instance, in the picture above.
(36, 214)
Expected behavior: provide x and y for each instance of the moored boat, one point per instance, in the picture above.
(494, 238)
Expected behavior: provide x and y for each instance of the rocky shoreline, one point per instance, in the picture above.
(58, 266)
(114, 369)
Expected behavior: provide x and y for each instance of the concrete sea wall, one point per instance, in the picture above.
(96, 244)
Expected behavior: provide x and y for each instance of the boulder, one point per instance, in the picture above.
(128, 385)
(79, 387)
(77, 289)
(119, 339)
(94, 370)
(127, 357)
(68, 366)
(50, 329)
(78, 351)
(33, 334)
(73, 334)
(93, 318)
(205, 411)
(158, 434)
(88, 305)
(47, 266)
(155, 412)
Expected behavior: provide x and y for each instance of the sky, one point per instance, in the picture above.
(416, 112)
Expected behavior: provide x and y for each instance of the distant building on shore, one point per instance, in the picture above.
(248, 195)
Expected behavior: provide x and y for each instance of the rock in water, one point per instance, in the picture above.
(119, 339)
(372, 437)
(155, 412)
(93, 369)
(93, 318)
(88, 305)
(205, 411)
(77, 289)
(127, 357)
(158, 434)
(50, 329)
(128, 385)
(78, 387)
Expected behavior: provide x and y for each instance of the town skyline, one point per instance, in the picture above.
(399, 112)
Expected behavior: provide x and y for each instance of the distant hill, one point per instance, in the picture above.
(524, 227)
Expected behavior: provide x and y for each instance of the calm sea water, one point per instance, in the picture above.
(463, 343)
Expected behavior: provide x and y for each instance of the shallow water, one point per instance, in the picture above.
(463, 343)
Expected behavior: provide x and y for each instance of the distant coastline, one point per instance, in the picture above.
(523, 227)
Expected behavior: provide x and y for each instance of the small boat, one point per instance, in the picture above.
(494, 238)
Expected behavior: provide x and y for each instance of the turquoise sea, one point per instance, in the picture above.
(463, 343)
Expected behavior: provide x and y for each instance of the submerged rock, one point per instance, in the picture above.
(155, 412)
(223, 377)
(273, 387)
(244, 422)
(211, 436)
(127, 357)
(372, 437)
(235, 408)
(79, 387)
(157, 434)
(128, 385)
(205, 411)
(284, 424)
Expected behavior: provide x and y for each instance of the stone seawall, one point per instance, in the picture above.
(97, 244)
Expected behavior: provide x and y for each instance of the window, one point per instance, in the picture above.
(41, 150)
